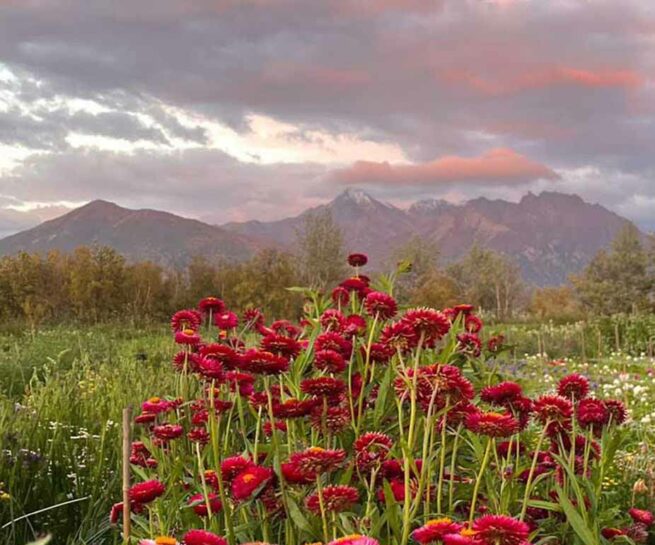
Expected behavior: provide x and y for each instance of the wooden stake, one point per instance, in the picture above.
(127, 446)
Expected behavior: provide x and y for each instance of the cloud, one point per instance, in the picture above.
(499, 166)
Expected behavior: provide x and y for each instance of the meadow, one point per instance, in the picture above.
(62, 391)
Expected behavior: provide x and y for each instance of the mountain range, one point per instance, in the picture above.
(551, 235)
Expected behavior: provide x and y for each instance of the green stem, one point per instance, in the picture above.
(478, 480)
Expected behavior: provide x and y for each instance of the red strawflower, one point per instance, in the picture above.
(226, 320)
(146, 491)
(253, 318)
(333, 420)
(185, 319)
(500, 530)
(281, 345)
(472, 323)
(249, 481)
(611, 533)
(340, 296)
(501, 394)
(492, 424)
(354, 539)
(323, 386)
(555, 411)
(434, 531)
(573, 387)
(458, 539)
(317, 461)
(380, 304)
(221, 352)
(116, 511)
(399, 336)
(279, 425)
(157, 405)
(187, 336)
(203, 537)
(357, 260)
(592, 413)
(294, 475)
(398, 489)
(141, 456)
(642, 516)
(199, 504)
(333, 341)
(285, 327)
(332, 320)
(617, 411)
(264, 363)
(294, 408)
(371, 449)
(429, 323)
(354, 326)
(241, 381)
(469, 343)
(330, 361)
(379, 353)
(166, 432)
(232, 466)
(495, 343)
(211, 304)
(198, 435)
(336, 498)
(436, 385)
(145, 418)
(357, 284)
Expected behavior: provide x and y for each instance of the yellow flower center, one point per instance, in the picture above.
(248, 478)
(316, 449)
(165, 540)
(154, 400)
(444, 520)
(469, 532)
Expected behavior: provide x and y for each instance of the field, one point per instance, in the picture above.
(62, 391)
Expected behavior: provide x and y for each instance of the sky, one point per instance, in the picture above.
(229, 110)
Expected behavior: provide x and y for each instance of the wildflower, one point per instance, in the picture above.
(222, 353)
(492, 424)
(187, 336)
(140, 455)
(249, 481)
(336, 498)
(253, 318)
(355, 284)
(354, 539)
(378, 353)
(617, 411)
(316, 461)
(340, 296)
(399, 336)
(203, 537)
(264, 363)
(156, 405)
(371, 449)
(642, 516)
(198, 435)
(427, 322)
(554, 410)
(322, 386)
(287, 347)
(472, 323)
(500, 530)
(166, 432)
(354, 326)
(501, 394)
(117, 511)
(268, 428)
(185, 319)
(434, 531)
(611, 533)
(211, 304)
(146, 491)
(573, 387)
(234, 465)
(357, 260)
(294, 408)
(592, 413)
(333, 341)
(226, 321)
(380, 304)
(469, 343)
(199, 504)
(329, 360)
(332, 320)
(333, 420)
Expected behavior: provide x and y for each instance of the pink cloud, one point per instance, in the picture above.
(499, 165)
(334, 78)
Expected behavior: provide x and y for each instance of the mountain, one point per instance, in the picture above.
(550, 235)
(160, 237)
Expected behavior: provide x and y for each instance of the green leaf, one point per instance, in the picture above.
(297, 516)
(575, 519)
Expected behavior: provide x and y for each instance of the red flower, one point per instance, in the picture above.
(492, 424)
(116, 511)
(264, 363)
(354, 326)
(268, 428)
(611, 533)
(281, 345)
(316, 461)
(211, 304)
(198, 435)
(357, 260)
(187, 336)
(592, 413)
(333, 341)
(617, 411)
(141, 456)
(436, 385)
(166, 432)
(294, 408)
(203, 537)
(458, 539)
(380, 304)
(253, 318)
(332, 320)
(427, 322)
(185, 319)
(379, 353)
(554, 410)
(156, 405)
(399, 336)
(340, 296)
(500, 530)
(354, 539)
(323, 386)
(146, 491)
(434, 531)
(199, 504)
(285, 327)
(329, 360)
(294, 475)
(472, 323)
(333, 420)
(335, 499)
(501, 394)
(642, 516)
(234, 465)
(371, 449)
(222, 353)
(249, 481)
(573, 387)
(469, 343)
(226, 320)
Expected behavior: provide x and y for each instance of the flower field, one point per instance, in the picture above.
(359, 423)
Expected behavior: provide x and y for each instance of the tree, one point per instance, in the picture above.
(557, 303)
(618, 280)
(321, 255)
(422, 256)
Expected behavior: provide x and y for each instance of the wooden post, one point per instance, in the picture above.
(127, 446)
(600, 343)
(617, 337)
(584, 348)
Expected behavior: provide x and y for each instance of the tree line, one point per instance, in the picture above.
(96, 284)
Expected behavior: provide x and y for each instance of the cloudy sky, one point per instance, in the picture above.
(236, 109)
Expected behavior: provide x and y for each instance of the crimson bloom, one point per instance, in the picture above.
(187, 336)
(500, 530)
(264, 363)
(434, 531)
(380, 304)
(333, 341)
(492, 424)
(617, 411)
(323, 386)
(573, 387)
(330, 361)
(146, 491)
(226, 320)
(427, 322)
(211, 304)
(501, 394)
(555, 411)
(198, 503)
(185, 319)
(281, 345)
(592, 414)
(642, 516)
(203, 537)
(357, 260)
(316, 461)
(249, 481)
(234, 465)
(354, 539)
(166, 432)
(336, 498)
(371, 449)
